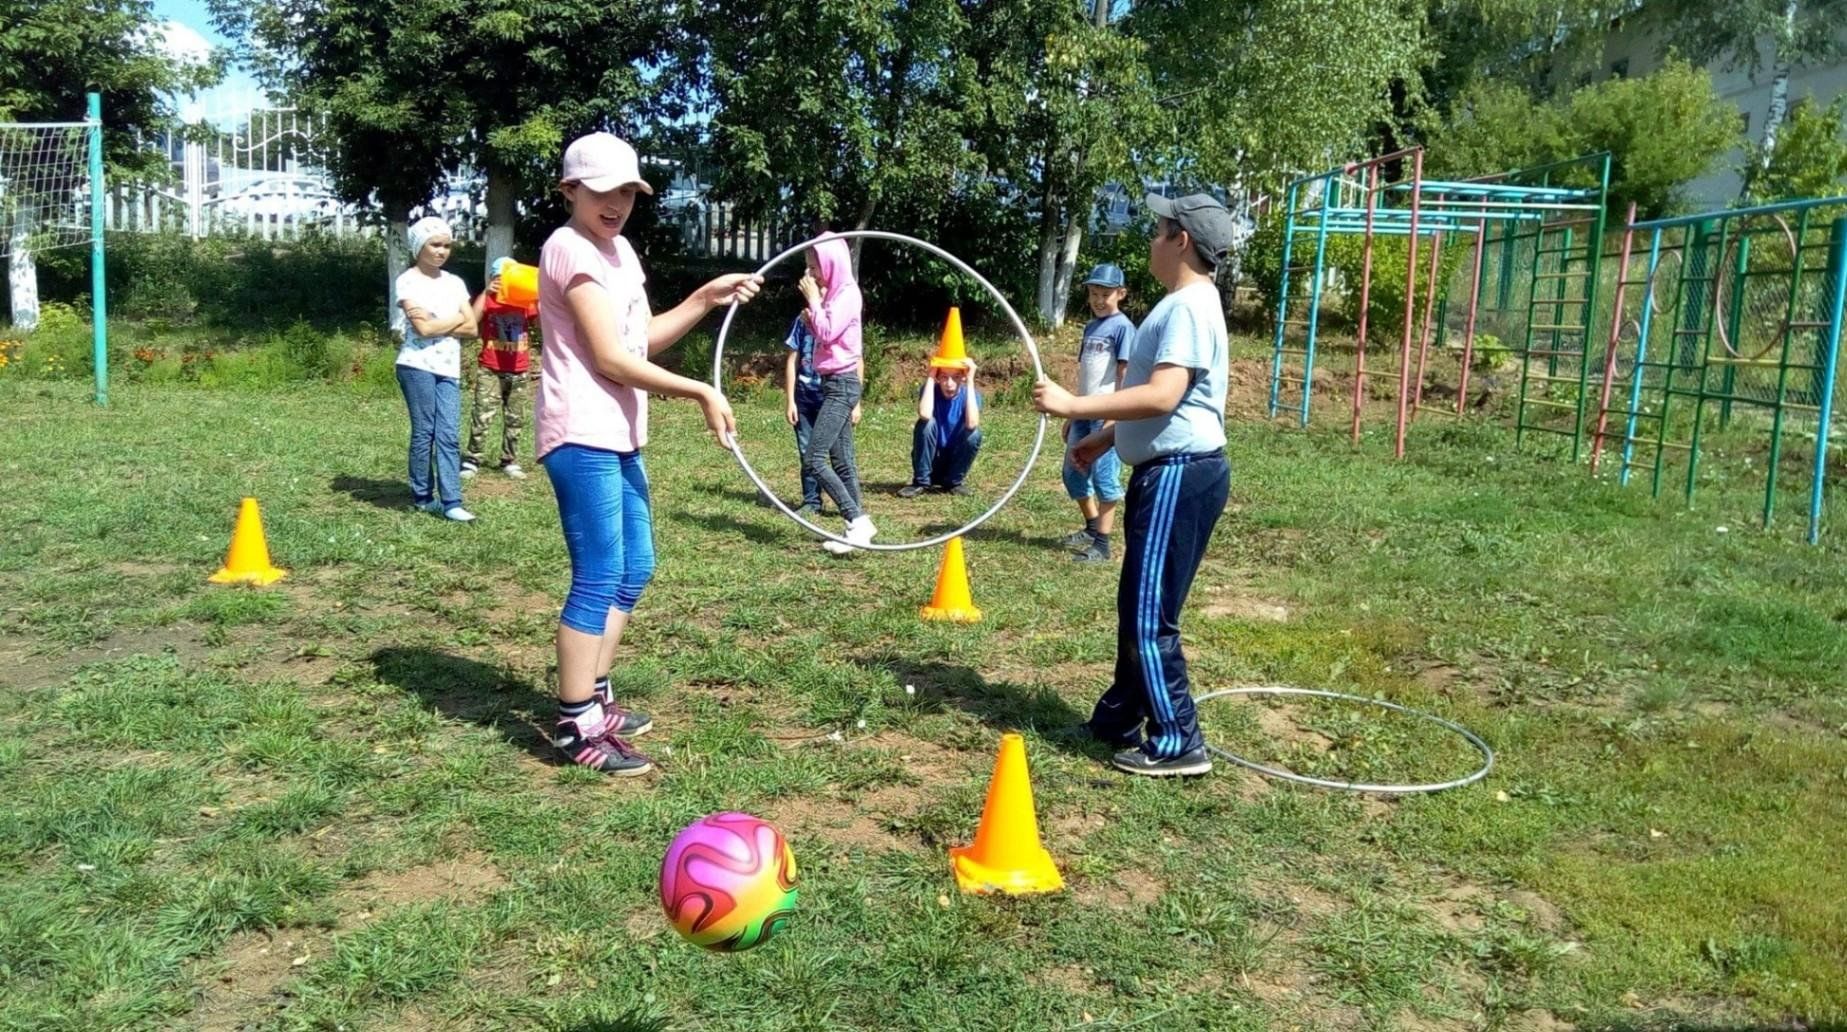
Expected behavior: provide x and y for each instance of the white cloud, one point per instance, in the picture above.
(183, 43)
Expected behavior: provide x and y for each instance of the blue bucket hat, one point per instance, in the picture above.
(1105, 275)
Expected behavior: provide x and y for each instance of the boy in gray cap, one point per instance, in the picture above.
(1169, 425)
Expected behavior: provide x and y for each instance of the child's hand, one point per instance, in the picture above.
(1088, 449)
(1051, 399)
(969, 364)
(794, 416)
(718, 416)
(493, 286)
(737, 288)
(809, 288)
(855, 415)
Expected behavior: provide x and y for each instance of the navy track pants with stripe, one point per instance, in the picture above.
(1173, 504)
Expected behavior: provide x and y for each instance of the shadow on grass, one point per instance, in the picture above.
(621, 1023)
(466, 689)
(756, 533)
(1002, 705)
(989, 532)
(385, 494)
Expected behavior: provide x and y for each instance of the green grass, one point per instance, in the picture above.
(327, 804)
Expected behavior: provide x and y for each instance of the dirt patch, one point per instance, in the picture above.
(1545, 916)
(26, 664)
(466, 877)
(1129, 887)
(1279, 726)
(1537, 1021)
(1457, 907)
(845, 828)
(241, 990)
(1068, 978)
(1238, 607)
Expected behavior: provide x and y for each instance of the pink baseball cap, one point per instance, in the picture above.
(602, 162)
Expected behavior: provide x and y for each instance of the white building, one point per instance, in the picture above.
(1634, 49)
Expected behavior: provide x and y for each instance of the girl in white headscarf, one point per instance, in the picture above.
(437, 313)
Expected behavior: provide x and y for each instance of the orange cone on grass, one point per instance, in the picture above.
(1007, 855)
(248, 560)
(950, 350)
(952, 600)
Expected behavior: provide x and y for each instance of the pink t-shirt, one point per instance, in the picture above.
(577, 404)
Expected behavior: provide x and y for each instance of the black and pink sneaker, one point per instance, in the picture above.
(600, 751)
(626, 723)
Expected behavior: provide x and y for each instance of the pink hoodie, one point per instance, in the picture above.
(836, 318)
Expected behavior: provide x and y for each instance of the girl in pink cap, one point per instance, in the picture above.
(592, 421)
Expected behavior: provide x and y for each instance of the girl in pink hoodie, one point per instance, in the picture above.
(834, 305)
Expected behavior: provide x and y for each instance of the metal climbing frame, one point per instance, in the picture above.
(1343, 201)
(1538, 282)
(1353, 200)
(1752, 304)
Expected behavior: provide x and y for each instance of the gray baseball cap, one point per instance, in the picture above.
(1204, 219)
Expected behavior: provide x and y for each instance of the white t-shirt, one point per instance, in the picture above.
(443, 296)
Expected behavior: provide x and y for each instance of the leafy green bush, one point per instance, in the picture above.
(1809, 158)
(1663, 131)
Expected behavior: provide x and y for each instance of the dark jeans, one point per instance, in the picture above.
(435, 404)
(805, 413)
(829, 455)
(941, 465)
(1173, 504)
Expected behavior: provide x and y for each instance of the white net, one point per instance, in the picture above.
(44, 186)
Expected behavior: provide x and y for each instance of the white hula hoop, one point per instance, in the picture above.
(718, 367)
(1471, 737)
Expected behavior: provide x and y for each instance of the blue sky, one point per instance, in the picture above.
(193, 15)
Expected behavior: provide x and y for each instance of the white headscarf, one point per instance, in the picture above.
(423, 231)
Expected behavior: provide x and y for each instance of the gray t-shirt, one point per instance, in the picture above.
(1186, 329)
(1106, 342)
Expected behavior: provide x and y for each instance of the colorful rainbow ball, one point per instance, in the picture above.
(728, 882)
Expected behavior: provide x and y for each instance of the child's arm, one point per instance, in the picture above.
(665, 329)
(853, 417)
(1158, 397)
(788, 385)
(428, 325)
(590, 306)
(971, 412)
(926, 400)
(470, 326)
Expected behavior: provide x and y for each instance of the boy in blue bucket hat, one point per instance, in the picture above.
(1101, 359)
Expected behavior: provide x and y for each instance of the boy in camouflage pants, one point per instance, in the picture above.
(500, 380)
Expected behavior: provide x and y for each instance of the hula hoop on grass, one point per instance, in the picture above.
(718, 368)
(1471, 737)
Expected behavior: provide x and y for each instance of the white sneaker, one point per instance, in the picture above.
(512, 469)
(859, 532)
(468, 470)
(459, 515)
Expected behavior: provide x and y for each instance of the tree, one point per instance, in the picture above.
(1065, 106)
(1663, 131)
(1753, 34)
(52, 53)
(417, 92)
(1810, 156)
(824, 111)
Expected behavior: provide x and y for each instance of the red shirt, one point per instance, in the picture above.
(505, 337)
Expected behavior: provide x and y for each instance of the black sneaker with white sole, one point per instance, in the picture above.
(1190, 764)
(622, 723)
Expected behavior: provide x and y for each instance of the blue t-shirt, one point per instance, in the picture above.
(949, 413)
(1186, 329)
(807, 381)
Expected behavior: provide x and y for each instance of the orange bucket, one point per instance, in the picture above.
(519, 285)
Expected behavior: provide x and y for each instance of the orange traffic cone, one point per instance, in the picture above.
(248, 560)
(951, 601)
(1007, 855)
(950, 352)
